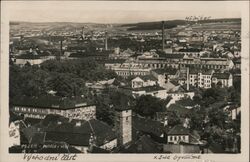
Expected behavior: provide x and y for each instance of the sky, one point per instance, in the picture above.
(117, 11)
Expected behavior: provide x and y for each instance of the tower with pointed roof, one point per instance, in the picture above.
(123, 125)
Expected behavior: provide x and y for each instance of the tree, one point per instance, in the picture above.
(219, 84)
(104, 110)
(197, 120)
(147, 105)
(67, 77)
(173, 119)
(217, 117)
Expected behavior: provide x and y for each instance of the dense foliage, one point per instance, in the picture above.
(147, 105)
(67, 78)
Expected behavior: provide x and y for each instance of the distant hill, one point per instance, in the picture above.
(99, 26)
(154, 25)
(173, 23)
(14, 23)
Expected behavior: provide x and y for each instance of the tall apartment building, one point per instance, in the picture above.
(205, 79)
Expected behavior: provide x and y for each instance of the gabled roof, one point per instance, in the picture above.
(171, 85)
(143, 145)
(145, 78)
(178, 130)
(138, 79)
(80, 135)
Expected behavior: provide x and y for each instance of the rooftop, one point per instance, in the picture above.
(97, 150)
(174, 56)
(148, 77)
(149, 88)
(52, 102)
(190, 50)
(80, 135)
(221, 75)
(144, 144)
(165, 71)
(178, 130)
(113, 61)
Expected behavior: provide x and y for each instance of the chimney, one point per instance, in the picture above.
(188, 79)
(163, 36)
(106, 41)
(60, 50)
(83, 33)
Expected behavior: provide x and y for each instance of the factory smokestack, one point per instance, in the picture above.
(83, 36)
(188, 79)
(106, 41)
(163, 35)
(61, 50)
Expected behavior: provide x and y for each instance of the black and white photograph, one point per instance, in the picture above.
(125, 77)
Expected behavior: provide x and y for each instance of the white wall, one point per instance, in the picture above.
(109, 145)
(175, 138)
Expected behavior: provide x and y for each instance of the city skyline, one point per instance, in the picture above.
(118, 12)
(128, 77)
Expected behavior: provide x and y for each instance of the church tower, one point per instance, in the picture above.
(123, 124)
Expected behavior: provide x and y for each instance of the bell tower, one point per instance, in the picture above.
(123, 125)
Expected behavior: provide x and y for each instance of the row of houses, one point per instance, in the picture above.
(143, 66)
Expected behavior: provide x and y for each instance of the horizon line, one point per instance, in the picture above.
(20, 21)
